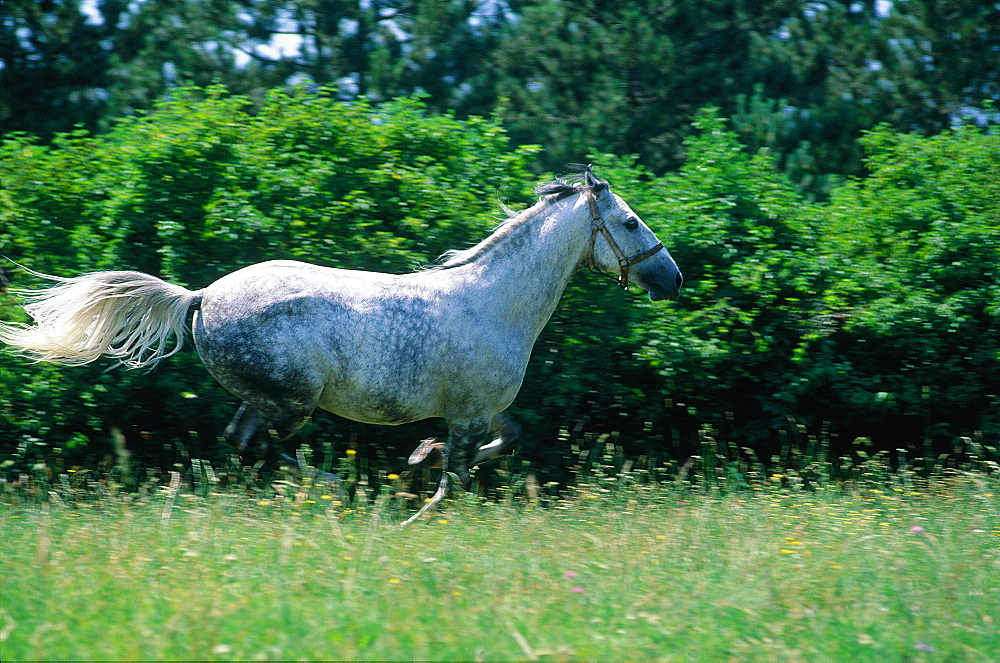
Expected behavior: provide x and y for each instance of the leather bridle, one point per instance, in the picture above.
(624, 262)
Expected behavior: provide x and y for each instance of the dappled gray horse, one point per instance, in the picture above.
(287, 337)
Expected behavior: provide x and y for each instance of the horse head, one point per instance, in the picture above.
(621, 243)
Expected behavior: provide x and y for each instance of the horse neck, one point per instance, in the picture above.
(523, 275)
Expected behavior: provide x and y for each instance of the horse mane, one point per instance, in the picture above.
(561, 187)
(579, 178)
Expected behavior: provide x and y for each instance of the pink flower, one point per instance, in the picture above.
(577, 590)
(916, 529)
(570, 574)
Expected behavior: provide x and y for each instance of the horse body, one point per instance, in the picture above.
(287, 337)
(378, 348)
(450, 342)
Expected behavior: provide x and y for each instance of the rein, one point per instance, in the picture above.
(624, 262)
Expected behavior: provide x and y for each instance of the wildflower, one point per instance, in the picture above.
(569, 574)
(392, 477)
(577, 590)
(924, 647)
(351, 452)
(916, 529)
(326, 497)
(394, 581)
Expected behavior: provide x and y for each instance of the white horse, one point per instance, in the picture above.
(287, 337)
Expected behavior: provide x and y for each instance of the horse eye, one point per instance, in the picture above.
(631, 223)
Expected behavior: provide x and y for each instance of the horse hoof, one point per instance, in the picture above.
(429, 450)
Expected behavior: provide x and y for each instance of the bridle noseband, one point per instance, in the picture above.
(624, 262)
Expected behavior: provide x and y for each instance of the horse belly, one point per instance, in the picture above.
(388, 374)
(386, 406)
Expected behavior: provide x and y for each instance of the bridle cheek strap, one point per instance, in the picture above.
(624, 262)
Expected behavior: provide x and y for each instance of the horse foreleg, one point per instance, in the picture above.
(432, 503)
(464, 441)
(507, 430)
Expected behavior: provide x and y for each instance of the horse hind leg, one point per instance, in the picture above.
(251, 424)
(244, 426)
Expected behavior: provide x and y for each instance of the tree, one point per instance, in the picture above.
(803, 80)
(54, 70)
(64, 66)
(624, 77)
(836, 69)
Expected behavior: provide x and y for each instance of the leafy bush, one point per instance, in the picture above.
(873, 315)
(200, 188)
(801, 325)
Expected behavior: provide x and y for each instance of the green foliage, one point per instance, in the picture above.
(873, 314)
(200, 188)
(919, 240)
(876, 312)
(801, 78)
(88, 63)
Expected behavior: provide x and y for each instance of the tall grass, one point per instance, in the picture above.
(621, 568)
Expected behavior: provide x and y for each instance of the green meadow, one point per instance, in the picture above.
(614, 570)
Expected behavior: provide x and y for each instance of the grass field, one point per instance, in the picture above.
(643, 573)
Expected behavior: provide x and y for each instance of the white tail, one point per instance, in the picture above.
(130, 316)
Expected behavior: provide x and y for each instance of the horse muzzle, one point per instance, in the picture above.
(659, 280)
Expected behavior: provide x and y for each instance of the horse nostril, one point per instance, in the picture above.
(679, 280)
